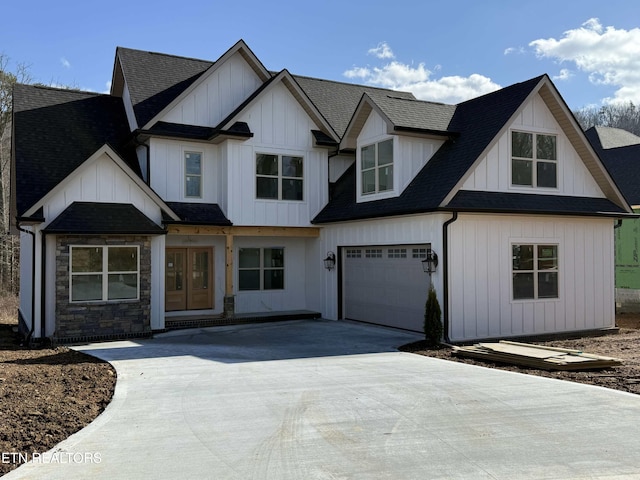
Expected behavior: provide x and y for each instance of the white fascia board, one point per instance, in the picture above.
(359, 118)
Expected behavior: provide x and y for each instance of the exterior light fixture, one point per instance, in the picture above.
(430, 263)
(330, 261)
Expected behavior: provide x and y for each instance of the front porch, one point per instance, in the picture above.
(200, 321)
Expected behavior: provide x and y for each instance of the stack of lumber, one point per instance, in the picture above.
(536, 356)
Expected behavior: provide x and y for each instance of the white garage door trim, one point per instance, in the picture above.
(385, 285)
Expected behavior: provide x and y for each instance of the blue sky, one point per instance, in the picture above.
(445, 51)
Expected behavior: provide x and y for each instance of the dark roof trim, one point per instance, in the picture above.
(530, 203)
(93, 218)
(425, 131)
(197, 214)
(323, 140)
(239, 130)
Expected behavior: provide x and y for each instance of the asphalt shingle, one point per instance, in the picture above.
(56, 130)
(103, 218)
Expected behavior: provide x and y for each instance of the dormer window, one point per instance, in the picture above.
(376, 162)
(534, 160)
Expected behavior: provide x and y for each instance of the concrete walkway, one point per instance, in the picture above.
(334, 400)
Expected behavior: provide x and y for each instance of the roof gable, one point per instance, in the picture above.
(199, 70)
(154, 79)
(402, 115)
(337, 101)
(55, 131)
(286, 79)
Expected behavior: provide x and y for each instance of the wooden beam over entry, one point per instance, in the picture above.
(241, 231)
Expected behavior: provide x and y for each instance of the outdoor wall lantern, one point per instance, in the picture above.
(430, 263)
(330, 261)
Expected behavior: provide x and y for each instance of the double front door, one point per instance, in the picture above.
(188, 278)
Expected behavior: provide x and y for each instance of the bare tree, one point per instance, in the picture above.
(625, 116)
(8, 243)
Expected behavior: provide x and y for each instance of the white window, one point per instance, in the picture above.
(534, 160)
(279, 177)
(193, 174)
(261, 268)
(354, 253)
(535, 271)
(104, 273)
(376, 167)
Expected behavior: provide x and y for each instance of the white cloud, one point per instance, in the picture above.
(418, 79)
(565, 74)
(65, 63)
(383, 50)
(514, 51)
(608, 55)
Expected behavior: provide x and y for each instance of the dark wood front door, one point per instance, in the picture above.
(188, 278)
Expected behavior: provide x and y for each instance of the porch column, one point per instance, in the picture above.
(229, 299)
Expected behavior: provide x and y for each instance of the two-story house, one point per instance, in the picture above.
(201, 189)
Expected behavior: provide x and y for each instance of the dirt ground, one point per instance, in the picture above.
(625, 345)
(48, 394)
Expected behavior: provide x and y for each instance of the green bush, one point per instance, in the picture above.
(433, 329)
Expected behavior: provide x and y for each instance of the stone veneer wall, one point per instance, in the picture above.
(119, 319)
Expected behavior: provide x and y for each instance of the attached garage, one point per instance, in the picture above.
(385, 285)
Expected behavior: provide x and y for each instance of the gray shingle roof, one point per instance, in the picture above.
(410, 114)
(622, 161)
(55, 131)
(337, 101)
(615, 137)
(156, 79)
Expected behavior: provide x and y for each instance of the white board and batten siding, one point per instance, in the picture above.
(293, 296)
(101, 181)
(280, 126)
(227, 86)
(168, 170)
(482, 304)
(493, 172)
(410, 154)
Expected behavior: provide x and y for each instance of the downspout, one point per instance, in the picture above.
(33, 280)
(43, 271)
(445, 275)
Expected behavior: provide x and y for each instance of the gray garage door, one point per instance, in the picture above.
(385, 285)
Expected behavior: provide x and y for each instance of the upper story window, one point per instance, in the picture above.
(104, 273)
(279, 177)
(376, 167)
(534, 160)
(193, 174)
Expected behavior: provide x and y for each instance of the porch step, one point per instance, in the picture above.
(177, 323)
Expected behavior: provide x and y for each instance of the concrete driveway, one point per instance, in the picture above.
(334, 400)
